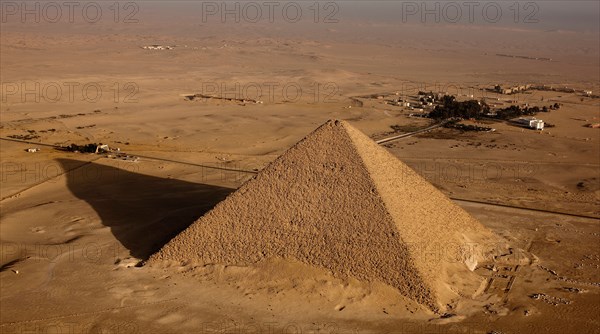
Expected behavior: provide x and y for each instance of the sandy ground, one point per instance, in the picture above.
(74, 227)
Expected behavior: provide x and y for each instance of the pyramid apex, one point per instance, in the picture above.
(334, 122)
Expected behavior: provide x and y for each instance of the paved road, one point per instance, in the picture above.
(404, 135)
(523, 208)
(146, 157)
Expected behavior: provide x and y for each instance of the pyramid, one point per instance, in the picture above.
(338, 200)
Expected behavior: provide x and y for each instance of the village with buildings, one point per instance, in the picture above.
(208, 98)
(102, 149)
(441, 107)
(99, 149)
(503, 103)
(514, 89)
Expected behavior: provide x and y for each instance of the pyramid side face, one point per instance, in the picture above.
(444, 240)
(317, 203)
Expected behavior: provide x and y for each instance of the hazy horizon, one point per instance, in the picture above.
(579, 16)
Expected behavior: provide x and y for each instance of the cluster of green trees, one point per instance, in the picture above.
(24, 137)
(516, 111)
(450, 108)
(88, 148)
(466, 127)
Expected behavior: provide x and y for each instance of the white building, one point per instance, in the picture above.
(531, 122)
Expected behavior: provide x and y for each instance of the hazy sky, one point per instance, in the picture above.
(318, 18)
(544, 15)
(564, 15)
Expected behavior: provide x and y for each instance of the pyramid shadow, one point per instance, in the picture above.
(143, 212)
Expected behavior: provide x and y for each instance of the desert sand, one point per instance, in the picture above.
(78, 231)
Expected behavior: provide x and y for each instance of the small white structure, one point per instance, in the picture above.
(157, 47)
(102, 149)
(531, 122)
(33, 150)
